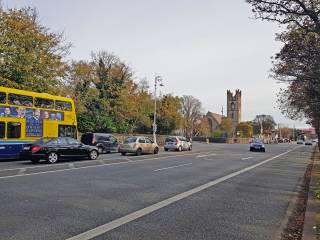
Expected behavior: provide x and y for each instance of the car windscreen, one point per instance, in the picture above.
(130, 140)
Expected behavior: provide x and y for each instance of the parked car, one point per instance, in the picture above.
(257, 145)
(300, 141)
(315, 140)
(54, 149)
(105, 142)
(177, 143)
(138, 145)
(308, 142)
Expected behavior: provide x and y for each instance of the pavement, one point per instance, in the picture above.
(216, 191)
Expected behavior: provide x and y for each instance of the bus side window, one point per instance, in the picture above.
(62, 105)
(43, 103)
(20, 100)
(67, 131)
(13, 130)
(2, 129)
(3, 97)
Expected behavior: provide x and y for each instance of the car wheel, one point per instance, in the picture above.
(139, 151)
(180, 149)
(123, 153)
(100, 149)
(166, 149)
(93, 154)
(52, 158)
(190, 148)
(263, 150)
(156, 150)
(35, 160)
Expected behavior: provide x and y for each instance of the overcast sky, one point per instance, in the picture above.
(200, 48)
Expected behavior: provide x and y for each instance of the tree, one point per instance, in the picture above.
(192, 112)
(202, 128)
(301, 13)
(226, 125)
(101, 89)
(245, 129)
(297, 64)
(286, 132)
(262, 123)
(169, 113)
(134, 111)
(31, 56)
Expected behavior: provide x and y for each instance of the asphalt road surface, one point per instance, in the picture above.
(217, 191)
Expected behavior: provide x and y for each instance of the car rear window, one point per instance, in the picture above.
(87, 138)
(170, 140)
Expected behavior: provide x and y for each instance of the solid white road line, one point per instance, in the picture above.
(201, 156)
(22, 171)
(245, 158)
(161, 169)
(140, 213)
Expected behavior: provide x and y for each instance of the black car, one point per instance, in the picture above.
(257, 145)
(54, 149)
(105, 142)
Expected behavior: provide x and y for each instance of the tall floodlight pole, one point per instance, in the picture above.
(157, 80)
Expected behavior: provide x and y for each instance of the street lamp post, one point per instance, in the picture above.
(157, 80)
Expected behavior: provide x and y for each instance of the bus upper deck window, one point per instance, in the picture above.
(2, 97)
(13, 130)
(2, 129)
(43, 103)
(20, 100)
(64, 106)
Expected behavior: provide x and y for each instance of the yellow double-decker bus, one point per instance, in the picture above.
(27, 116)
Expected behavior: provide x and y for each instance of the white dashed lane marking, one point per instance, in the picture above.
(161, 169)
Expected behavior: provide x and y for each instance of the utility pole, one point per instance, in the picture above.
(293, 133)
(157, 80)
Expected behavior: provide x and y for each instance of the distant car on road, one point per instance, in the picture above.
(105, 142)
(177, 143)
(54, 149)
(300, 141)
(308, 142)
(138, 145)
(315, 140)
(257, 145)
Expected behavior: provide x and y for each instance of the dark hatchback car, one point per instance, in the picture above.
(257, 145)
(54, 149)
(105, 142)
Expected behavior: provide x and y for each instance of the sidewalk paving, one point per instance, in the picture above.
(311, 229)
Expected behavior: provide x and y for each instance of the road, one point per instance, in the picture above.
(217, 191)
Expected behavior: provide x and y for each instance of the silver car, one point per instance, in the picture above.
(177, 143)
(138, 145)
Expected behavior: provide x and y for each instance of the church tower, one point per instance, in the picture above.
(234, 106)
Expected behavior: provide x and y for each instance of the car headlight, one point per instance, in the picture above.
(262, 146)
